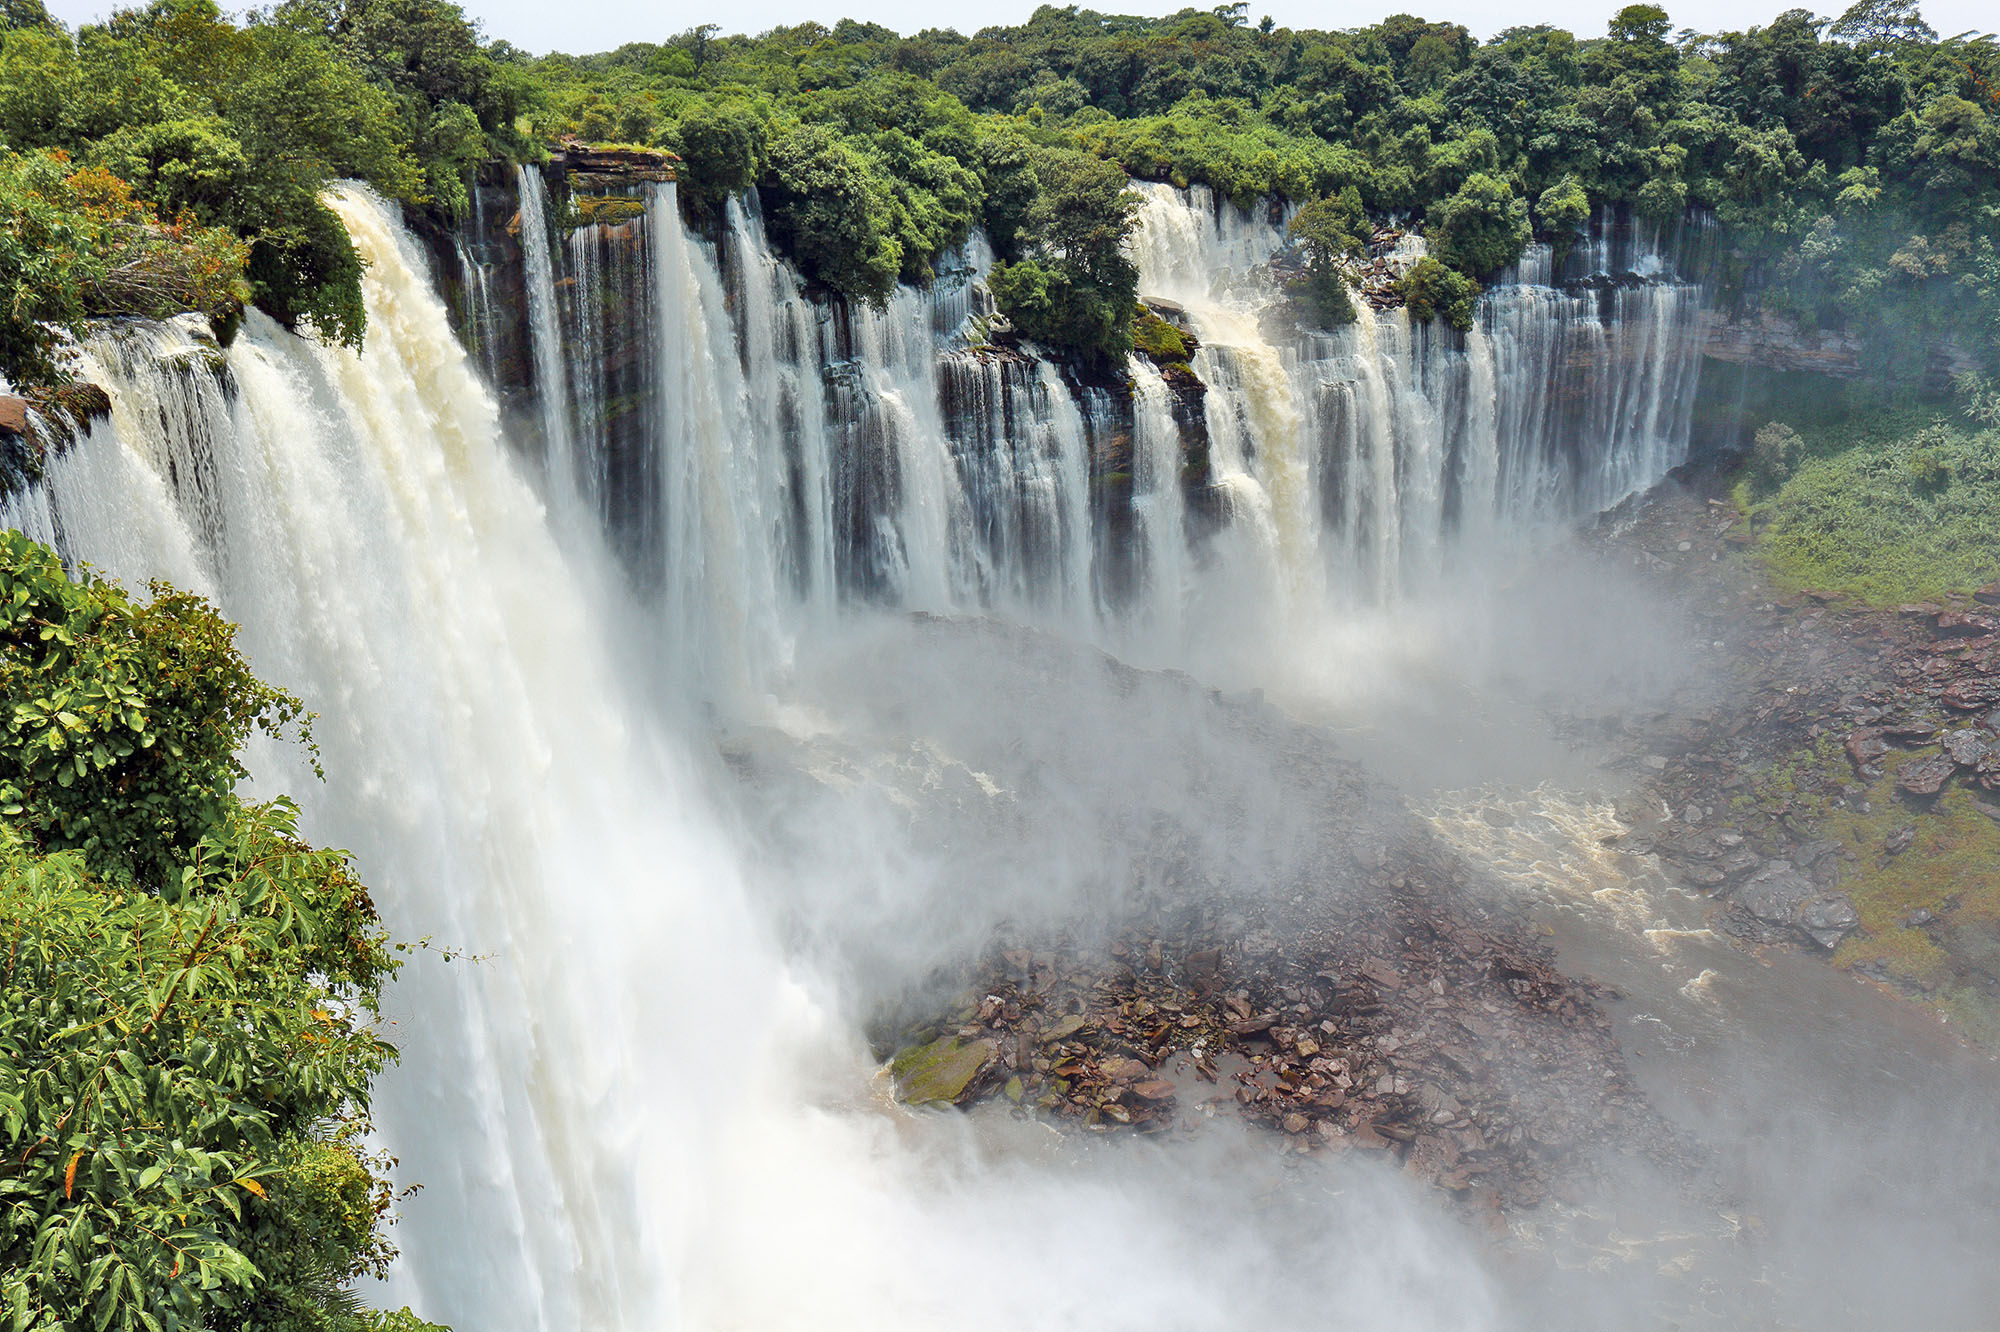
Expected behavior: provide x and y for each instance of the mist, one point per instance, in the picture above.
(706, 845)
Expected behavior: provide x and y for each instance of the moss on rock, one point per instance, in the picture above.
(944, 1072)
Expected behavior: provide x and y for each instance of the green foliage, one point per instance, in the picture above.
(119, 721)
(1562, 212)
(1075, 287)
(1775, 453)
(1326, 231)
(1852, 165)
(188, 992)
(722, 145)
(827, 211)
(1890, 519)
(1480, 229)
(1432, 291)
(75, 244)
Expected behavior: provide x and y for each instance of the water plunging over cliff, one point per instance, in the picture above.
(629, 1096)
(1368, 455)
(887, 455)
(640, 1097)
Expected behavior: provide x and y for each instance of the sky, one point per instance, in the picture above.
(582, 26)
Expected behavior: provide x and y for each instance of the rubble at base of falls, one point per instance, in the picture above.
(1408, 1019)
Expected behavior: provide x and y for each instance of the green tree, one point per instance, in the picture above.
(1432, 291)
(1480, 229)
(827, 210)
(188, 992)
(1326, 231)
(1075, 288)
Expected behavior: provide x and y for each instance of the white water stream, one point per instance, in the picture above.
(640, 1102)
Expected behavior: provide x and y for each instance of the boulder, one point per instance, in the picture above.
(1827, 920)
(945, 1072)
(14, 416)
(1926, 777)
(1775, 893)
(1965, 747)
(1951, 625)
(1866, 749)
(1971, 695)
(1990, 594)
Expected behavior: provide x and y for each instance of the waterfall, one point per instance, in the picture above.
(1367, 460)
(625, 1099)
(718, 496)
(1162, 522)
(552, 390)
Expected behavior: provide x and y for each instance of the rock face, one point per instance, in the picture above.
(944, 1072)
(635, 165)
(1778, 344)
(1926, 777)
(1780, 895)
(14, 417)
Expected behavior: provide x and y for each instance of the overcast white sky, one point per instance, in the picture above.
(597, 25)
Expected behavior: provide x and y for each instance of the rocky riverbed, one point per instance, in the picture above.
(1836, 788)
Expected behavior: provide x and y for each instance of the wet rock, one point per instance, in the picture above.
(13, 415)
(1965, 626)
(1971, 695)
(1866, 749)
(945, 1072)
(1827, 920)
(1738, 863)
(1926, 777)
(1066, 1028)
(1965, 747)
(1776, 892)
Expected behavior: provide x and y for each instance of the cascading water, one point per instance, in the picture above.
(552, 388)
(516, 793)
(1386, 445)
(625, 1101)
(882, 454)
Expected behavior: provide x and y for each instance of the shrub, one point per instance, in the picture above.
(1432, 291)
(76, 244)
(188, 992)
(1775, 453)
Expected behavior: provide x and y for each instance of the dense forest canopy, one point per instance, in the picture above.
(1851, 165)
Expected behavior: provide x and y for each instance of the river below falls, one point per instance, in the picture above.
(1852, 1139)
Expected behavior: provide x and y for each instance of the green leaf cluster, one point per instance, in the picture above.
(75, 245)
(188, 991)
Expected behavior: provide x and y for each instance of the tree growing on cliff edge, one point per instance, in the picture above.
(1074, 286)
(188, 991)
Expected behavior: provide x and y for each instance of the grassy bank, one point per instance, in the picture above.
(1888, 506)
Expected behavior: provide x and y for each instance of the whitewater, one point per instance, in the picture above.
(686, 735)
(626, 1106)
